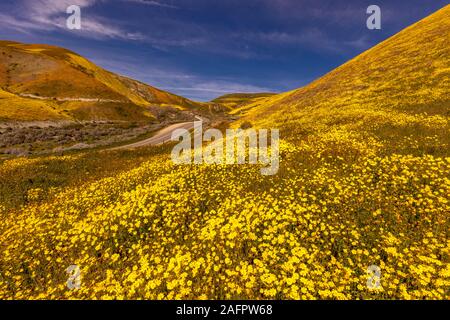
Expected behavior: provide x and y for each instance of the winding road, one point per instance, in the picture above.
(32, 96)
(162, 136)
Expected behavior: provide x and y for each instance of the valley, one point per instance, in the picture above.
(363, 182)
(53, 100)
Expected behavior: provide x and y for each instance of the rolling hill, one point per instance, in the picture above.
(234, 100)
(42, 82)
(363, 185)
(398, 89)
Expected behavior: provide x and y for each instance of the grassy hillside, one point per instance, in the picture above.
(48, 77)
(363, 180)
(233, 100)
(399, 89)
(13, 107)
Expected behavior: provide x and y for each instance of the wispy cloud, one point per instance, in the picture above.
(50, 15)
(222, 87)
(206, 90)
(195, 86)
(311, 38)
(270, 44)
(23, 26)
(168, 32)
(154, 3)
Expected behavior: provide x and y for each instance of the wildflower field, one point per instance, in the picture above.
(364, 181)
(163, 232)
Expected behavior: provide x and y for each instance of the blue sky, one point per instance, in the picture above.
(202, 49)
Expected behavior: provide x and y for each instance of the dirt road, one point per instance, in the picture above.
(32, 96)
(162, 136)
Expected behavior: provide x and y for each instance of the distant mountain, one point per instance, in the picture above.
(235, 99)
(42, 82)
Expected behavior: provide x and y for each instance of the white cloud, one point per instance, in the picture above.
(24, 26)
(50, 15)
(194, 86)
(154, 3)
(312, 38)
(221, 87)
(202, 89)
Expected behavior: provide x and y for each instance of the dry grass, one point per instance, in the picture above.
(56, 73)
